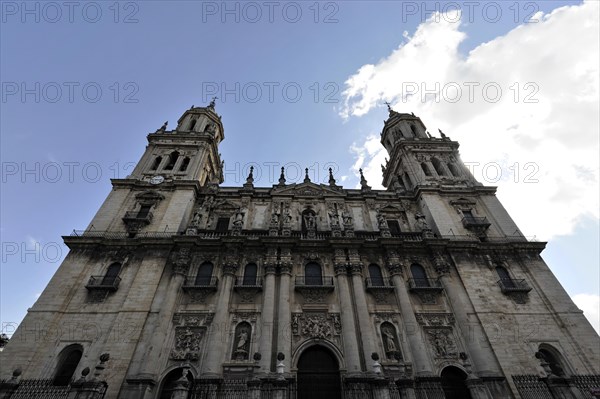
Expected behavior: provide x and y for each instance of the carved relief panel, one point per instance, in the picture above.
(189, 331)
(316, 325)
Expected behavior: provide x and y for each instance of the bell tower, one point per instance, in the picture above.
(160, 192)
(429, 168)
(419, 159)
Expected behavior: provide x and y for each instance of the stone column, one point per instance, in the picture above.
(351, 353)
(364, 318)
(482, 359)
(266, 329)
(219, 334)
(421, 362)
(284, 337)
(157, 327)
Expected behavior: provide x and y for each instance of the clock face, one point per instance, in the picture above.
(157, 179)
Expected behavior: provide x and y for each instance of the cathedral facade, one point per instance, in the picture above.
(183, 288)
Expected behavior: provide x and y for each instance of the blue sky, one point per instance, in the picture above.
(330, 66)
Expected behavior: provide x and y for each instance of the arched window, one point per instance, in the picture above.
(453, 170)
(250, 272)
(419, 275)
(313, 274)
(111, 274)
(413, 130)
(425, 168)
(376, 276)
(241, 341)
(67, 363)
(172, 159)
(437, 165)
(204, 274)
(156, 163)
(184, 164)
(553, 358)
(192, 124)
(507, 281)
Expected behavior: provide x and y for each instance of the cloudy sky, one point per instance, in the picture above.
(300, 84)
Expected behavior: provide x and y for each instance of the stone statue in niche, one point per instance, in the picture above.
(346, 217)
(310, 221)
(238, 220)
(334, 217)
(390, 345)
(196, 219)
(381, 222)
(242, 343)
(421, 221)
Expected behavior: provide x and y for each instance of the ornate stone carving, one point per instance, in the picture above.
(435, 319)
(441, 263)
(427, 297)
(193, 319)
(316, 325)
(181, 261)
(442, 343)
(189, 332)
(187, 343)
(314, 294)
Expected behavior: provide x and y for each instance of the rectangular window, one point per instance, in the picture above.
(222, 225)
(144, 211)
(394, 226)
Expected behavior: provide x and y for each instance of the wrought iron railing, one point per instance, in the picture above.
(248, 282)
(378, 282)
(513, 285)
(138, 217)
(110, 283)
(475, 221)
(424, 284)
(200, 282)
(120, 235)
(314, 281)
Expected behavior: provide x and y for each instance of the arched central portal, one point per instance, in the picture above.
(453, 383)
(318, 374)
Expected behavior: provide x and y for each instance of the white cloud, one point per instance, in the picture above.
(552, 143)
(590, 304)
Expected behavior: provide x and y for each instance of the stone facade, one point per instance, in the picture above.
(412, 291)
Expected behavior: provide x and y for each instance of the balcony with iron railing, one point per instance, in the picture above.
(194, 282)
(107, 283)
(314, 281)
(248, 282)
(378, 283)
(508, 285)
(470, 222)
(136, 216)
(424, 284)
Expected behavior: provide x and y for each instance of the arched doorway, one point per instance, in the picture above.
(453, 383)
(318, 374)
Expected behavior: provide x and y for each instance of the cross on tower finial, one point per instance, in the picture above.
(212, 102)
(389, 105)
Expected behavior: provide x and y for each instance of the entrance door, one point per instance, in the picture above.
(318, 375)
(453, 383)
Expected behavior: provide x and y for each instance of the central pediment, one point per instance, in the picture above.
(308, 189)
